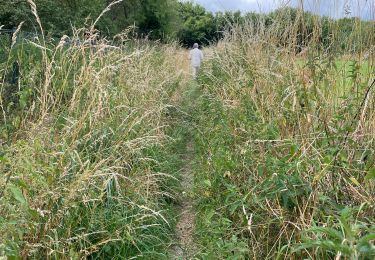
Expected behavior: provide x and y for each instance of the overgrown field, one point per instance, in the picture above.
(92, 138)
(286, 152)
(88, 169)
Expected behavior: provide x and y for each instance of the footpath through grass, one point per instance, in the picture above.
(93, 140)
(284, 165)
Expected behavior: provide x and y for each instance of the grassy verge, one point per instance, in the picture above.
(88, 167)
(91, 139)
(285, 165)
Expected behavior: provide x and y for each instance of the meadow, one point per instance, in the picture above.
(285, 161)
(93, 139)
(81, 141)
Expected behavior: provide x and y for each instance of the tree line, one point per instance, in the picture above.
(183, 21)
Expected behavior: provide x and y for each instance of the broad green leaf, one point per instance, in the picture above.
(208, 183)
(333, 233)
(17, 194)
(370, 175)
(367, 238)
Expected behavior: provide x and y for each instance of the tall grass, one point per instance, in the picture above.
(284, 138)
(79, 135)
(286, 158)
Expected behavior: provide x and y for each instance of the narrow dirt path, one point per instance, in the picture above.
(184, 248)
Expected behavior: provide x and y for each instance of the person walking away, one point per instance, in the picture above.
(196, 58)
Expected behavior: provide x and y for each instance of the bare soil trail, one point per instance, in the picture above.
(184, 247)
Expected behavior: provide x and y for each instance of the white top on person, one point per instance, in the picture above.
(196, 57)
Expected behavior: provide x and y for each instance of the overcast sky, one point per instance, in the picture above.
(333, 8)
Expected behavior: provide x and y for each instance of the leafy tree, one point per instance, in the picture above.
(13, 12)
(156, 18)
(188, 22)
(198, 24)
(57, 16)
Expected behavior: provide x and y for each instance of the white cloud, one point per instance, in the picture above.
(332, 8)
(340, 8)
(239, 5)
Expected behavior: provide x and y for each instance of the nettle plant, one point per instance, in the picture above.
(341, 236)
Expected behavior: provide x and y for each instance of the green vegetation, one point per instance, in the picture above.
(185, 22)
(93, 136)
(86, 166)
(285, 153)
(153, 17)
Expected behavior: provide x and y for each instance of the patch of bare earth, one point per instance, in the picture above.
(184, 247)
